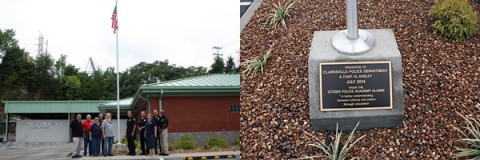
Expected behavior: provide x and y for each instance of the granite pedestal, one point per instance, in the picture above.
(119, 149)
(385, 49)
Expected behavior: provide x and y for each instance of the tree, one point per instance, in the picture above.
(72, 84)
(7, 41)
(60, 65)
(44, 78)
(47, 84)
(230, 67)
(16, 74)
(158, 71)
(218, 65)
(9, 44)
(70, 70)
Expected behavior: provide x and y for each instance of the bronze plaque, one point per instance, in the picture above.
(355, 85)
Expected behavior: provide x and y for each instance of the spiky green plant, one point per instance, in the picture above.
(334, 151)
(256, 64)
(471, 136)
(280, 14)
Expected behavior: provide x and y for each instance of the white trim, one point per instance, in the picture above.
(245, 3)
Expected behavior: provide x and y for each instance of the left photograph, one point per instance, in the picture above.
(119, 79)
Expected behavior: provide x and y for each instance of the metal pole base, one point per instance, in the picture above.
(344, 45)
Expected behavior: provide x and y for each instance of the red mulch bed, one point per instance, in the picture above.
(440, 77)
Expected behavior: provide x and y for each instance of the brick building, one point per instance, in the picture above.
(201, 107)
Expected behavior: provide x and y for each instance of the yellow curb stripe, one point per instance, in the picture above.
(209, 157)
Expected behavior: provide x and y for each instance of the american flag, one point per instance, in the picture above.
(114, 20)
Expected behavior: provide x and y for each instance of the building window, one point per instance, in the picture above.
(235, 108)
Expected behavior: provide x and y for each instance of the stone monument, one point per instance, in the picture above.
(119, 149)
(355, 76)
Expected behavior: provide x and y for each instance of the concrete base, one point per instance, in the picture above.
(249, 13)
(119, 149)
(385, 49)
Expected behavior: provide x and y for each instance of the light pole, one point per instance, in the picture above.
(352, 41)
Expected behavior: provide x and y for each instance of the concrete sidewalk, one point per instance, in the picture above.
(59, 152)
(178, 156)
(122, 157)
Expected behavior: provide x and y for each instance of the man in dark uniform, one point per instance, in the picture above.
(130, 134)
(100, 119)
(164, 133)
(141, 128)
(157, 119)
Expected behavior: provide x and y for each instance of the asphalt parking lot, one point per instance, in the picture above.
(46, 152)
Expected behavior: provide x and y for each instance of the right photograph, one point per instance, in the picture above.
(360, 79)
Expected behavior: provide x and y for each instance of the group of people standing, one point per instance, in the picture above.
(152, 131)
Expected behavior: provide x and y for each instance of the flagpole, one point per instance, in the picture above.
(118, 84)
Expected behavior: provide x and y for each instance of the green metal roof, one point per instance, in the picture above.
(124, 104)
(212, 80)
(207, 85)
(77, 106)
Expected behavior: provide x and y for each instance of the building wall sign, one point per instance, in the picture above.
(42, 131)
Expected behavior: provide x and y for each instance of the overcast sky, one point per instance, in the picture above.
(181, 31)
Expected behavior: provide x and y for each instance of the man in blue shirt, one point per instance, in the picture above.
(96, 136)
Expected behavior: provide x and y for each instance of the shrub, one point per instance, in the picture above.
(333, 150)
(171, 147)
(280, 14)
(216, 148)
(137, 146)
(236, 148)
(124, 141)
(471, 137)
(454, 19)
(256, 64)
(236, 141)
(216, 143)
(185, 142)
(136, 142)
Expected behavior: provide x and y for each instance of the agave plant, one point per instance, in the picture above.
(280, 14)
(471, 134)
(335, 151)
(256, 64)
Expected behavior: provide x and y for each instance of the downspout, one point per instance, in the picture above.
(68, 128)
(145, 99)
(160, 107)
(6, 121)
